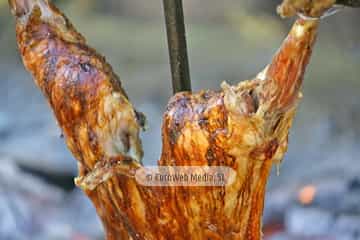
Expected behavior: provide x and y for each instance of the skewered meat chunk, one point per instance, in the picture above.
(244, 127)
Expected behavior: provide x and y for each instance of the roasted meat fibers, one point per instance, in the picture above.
(244, 127)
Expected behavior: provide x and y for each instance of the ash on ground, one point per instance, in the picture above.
(328, 210)
(33, 209)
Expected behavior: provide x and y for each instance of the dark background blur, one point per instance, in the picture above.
(227, 40)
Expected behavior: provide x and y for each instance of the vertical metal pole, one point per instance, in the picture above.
(349, 3)
(175, 26)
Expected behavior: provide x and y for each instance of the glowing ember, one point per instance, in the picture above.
(307, 194)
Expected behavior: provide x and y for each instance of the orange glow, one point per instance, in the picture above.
(307, 194)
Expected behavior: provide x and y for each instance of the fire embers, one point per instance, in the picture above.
(325, 210)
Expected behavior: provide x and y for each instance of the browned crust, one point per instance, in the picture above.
(244, 127)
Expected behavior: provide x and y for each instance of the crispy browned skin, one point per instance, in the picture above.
(244, 127)
(97, 119)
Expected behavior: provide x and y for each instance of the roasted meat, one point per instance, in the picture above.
(97, 119)
(309, 8)
(244, 127)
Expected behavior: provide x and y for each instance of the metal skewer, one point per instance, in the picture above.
(349, 3)
(175, 27)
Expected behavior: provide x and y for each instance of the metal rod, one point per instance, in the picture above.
(349, 3)
(175, 26)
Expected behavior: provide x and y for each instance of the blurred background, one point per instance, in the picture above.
(316, 195)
